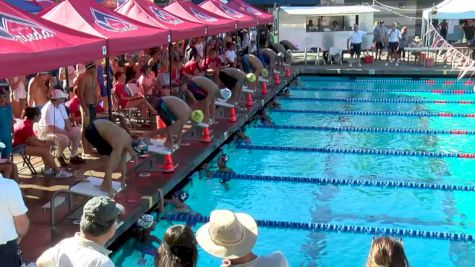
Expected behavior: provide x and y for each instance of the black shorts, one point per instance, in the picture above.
(96, 140)
(227, 80)
(355, 48)
(379, 45)
(393, 45)
(9, 254)
(198, 93)
(165, 115)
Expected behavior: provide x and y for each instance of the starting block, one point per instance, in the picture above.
(201, 124)
(156, 149)
(221, 103)
(262, 80)
(276, 72)
(247, 90)
(92, 187)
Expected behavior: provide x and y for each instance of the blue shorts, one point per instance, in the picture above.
(246, 65)
(264, 59)
(198, 93)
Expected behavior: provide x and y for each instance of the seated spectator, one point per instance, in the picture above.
(192, 68)
(87, 248)
(230, 55)
(231, 236)
(211, 65)
(24, 135)
(15, 222)
(386, 252)
(55, 126)
(9, 169)
(127, 101)
(178, 248)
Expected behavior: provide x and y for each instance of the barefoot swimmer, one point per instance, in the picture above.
(113, 143)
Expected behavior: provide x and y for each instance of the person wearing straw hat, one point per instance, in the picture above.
(174, 112)
(231, 236)
(87, 247)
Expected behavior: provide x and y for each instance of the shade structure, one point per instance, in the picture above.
(29, 44)
(242, 6)
(123, 34)
(189, 11)
(221, 9)
(451, 9)
(151, 14)
(27, 6)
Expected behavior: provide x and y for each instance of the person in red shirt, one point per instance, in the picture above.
(191, 68)
(127, 101)
(23, 134)
(211, 65)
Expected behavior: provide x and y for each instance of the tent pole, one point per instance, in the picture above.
(66, 72)
(170, 63)
(108, 86)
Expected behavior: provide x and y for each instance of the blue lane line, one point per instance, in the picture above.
(398, 81)
(339, 182)
(366, 129)
(381, 90)
(380, 100)
(376, 113)
(358, 151)
(327, 227)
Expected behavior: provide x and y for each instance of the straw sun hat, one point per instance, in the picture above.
(228, 235)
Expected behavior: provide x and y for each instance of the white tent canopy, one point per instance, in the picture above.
(328, 10)
(452, 9)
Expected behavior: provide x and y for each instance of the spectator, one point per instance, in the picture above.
(17, 95)
(393, 44)
(55, 126)
(230, 55)
(270, 36)
(178, 248)
(402, 43)
(15, 222)
(386, 252)
(443, 29)
(39, 90)
(232, 236)
(469, 30)
(354, 43)
(191, 68)
(380, 36)
(24, 135)
(87, 248)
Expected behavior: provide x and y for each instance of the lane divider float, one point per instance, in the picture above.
(380, 100)
(380, 90)
(377, 113)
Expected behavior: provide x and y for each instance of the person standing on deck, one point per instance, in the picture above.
(87, 93)
(39, 90)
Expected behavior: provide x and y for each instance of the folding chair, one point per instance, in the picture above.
(335, 55)
(20, 151)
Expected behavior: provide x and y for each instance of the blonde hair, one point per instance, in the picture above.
(386, 252)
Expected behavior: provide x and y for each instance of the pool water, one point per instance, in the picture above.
(403, 208)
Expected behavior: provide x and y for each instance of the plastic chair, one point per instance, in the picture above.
(335, 55)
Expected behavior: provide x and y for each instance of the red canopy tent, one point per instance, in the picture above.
(151, 14)
(122, 33)
(189, 11)
(240, 5)
(221, 9)
(42, 3)
(30, 44)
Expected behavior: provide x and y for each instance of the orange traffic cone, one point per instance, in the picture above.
(160, 123)
(168, 164)
(276, 79)
(263, 88)
(249, 101)
(287, 72)
(206, 137)
(232, 115)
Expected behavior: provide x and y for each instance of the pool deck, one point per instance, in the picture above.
(141, 193)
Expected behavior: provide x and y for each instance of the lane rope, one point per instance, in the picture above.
(377, 113)
(340, 182)
(367, 129)
(380, 90)
(399, 81)
(336, 228)
(380, 100)
(358, 151)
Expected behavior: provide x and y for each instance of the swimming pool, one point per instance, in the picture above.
(364, 146)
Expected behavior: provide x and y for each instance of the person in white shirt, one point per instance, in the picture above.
(18, 94)
(14, 222)
(231, 236)
(55, 126)
(354, 43)
(393, 46)
(87, 248)
(200, 46)
(230, 55)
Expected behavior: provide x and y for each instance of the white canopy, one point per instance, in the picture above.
(452, 9)
(327, 10)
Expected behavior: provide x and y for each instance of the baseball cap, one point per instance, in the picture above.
(58, 94)
(101, 210)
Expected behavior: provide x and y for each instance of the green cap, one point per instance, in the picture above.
(101, 210)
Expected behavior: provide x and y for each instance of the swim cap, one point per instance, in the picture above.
(281, 55)
(197, 116)
(146, 221)
(265, 73)
(139, 146)
(250, 77)
(224, 157)
(226, 94)
(181, 195)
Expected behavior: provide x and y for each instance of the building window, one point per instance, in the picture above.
(330, 23)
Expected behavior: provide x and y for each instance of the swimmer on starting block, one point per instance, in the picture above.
(203, 92)
(268, 58)
(113, 143)
(234, 79)
(251, 63)
(174, 112)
